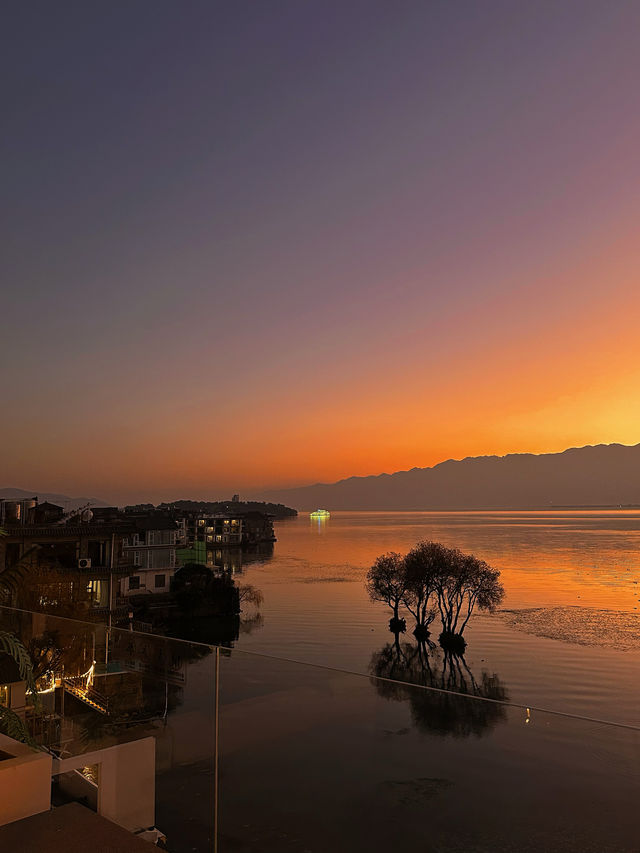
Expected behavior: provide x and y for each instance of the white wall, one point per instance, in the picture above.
(126, 781)
(25, 781)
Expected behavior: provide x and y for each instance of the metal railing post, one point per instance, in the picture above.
(215, 751)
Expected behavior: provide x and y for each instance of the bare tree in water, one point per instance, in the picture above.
(249, 594)
(465, 584)
(423, 565)
(250, 600)
(434, 579)
(386, 582)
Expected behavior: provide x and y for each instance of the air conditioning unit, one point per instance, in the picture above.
(84, 563)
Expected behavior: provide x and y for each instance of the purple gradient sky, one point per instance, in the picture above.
(271, 243)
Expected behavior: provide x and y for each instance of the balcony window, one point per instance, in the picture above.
(98, 593)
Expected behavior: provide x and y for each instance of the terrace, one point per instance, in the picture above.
(215, 749)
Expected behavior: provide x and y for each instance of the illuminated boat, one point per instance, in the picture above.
(320, 513)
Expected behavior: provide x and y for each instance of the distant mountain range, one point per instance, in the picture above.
(66, 502)
(600, 475)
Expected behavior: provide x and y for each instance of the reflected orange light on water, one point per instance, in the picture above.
(547, 559)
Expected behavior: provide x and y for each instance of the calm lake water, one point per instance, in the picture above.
(313, 759)
(568, 634)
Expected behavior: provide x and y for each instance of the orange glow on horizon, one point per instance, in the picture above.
(537, 371)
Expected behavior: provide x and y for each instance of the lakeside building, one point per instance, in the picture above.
(151, 550)
(218, 530)
(219, 540)
(108, 564)
(224, 529)
(72, 564)
(257, 528)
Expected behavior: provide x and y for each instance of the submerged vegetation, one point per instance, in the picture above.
(431, 581)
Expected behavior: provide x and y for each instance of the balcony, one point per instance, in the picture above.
(226, 750)
(118, 605)
(120, 568)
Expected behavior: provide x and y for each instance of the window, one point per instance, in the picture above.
(209, 538)
(136, 558)
(218, 538)
(201, 522)
(98, 593)
(5, 695)
(134, 582)
(160, 581)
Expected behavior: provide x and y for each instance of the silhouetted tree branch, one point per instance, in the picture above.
(386, 581)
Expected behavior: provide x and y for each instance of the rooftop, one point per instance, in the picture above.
(67, 829)
(61, 531)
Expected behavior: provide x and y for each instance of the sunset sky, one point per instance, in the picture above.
(266, 244)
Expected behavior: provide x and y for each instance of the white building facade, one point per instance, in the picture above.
(152, 551)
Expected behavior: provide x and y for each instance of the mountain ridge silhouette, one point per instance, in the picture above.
(594, 475)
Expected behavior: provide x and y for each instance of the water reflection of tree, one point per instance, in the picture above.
(252, 623)
(439, 711)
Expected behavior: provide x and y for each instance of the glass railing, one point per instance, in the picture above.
(245, 752)
(130, 719)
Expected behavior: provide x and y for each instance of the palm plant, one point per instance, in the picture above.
(10, 580)
(10, 723)
(12, 577)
